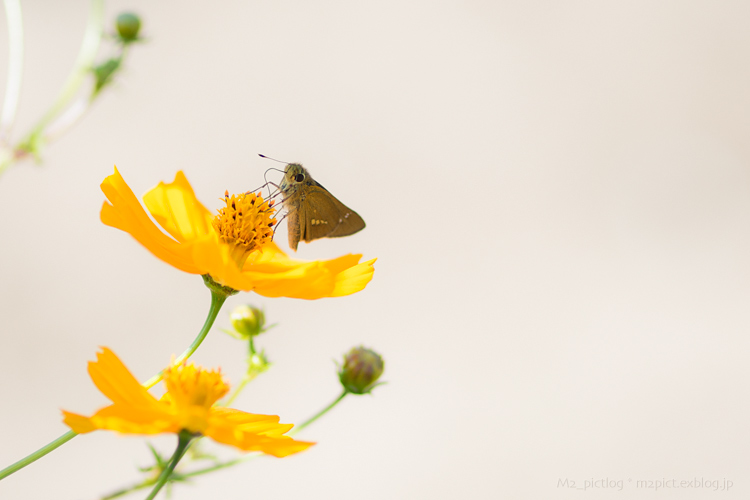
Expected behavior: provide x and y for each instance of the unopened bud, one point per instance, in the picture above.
(128, 25)
(361, 370)
(248, 321)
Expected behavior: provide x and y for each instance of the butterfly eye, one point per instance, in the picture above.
(299, 177)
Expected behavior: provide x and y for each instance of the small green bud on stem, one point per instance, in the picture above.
(128, 25)
(248, 321)
(361, 370)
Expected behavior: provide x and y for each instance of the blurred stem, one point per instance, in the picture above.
(298, 428)
(150, 482)
(182, 444)
(75, 111)
(15, 68)
(83, 64)
(130, 489)
(217, 300)
(37, 454)
(247, 378)
(222, 465)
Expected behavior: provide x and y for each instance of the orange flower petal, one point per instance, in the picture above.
(130, 420)
(124, 212)
(114, 380)
(276, 275)
(178, 211)
(353, 279)
(250, 432)
(78, 423)
(215, 257)
(188, 401)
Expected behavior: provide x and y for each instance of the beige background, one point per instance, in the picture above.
(558, 194)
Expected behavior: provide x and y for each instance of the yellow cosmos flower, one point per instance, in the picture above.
(188, 405)
(234, 247)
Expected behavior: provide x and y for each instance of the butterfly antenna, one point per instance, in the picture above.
(274, 159)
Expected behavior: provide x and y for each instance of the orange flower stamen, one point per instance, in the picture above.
(192, 392)
(244, 223)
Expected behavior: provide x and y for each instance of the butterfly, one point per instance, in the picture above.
(312, 211)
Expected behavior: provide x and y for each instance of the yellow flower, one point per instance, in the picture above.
(186, 406)
(234, 247)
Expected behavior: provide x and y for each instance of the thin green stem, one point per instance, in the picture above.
(298, 428)
(85, 61)
(15, 67)
(219, 466)
(182, 445)
(237, 391)
(37, 454)
(183, 475)
(75, 111)
(129, 489)
(217, 300)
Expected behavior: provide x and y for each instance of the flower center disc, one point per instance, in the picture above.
(245, 222)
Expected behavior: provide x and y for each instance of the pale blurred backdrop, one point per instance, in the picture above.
(558, 195)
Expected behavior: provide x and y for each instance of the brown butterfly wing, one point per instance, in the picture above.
(326, 217)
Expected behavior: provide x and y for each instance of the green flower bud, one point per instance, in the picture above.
(128, 25)
(361, 370)
(248, 321)
(257, 363)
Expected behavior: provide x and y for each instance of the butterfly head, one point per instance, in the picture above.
(294, 175)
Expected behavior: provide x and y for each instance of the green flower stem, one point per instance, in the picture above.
(183, 475)
(15, 67)
(298, 428)
(247, 378)
(221, 465)
(67, 119)
(83, 64)
(217, 300)
(120, 493)
(182, 446)
(37, 454)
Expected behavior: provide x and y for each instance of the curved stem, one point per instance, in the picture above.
(298, 428)
(130, 489)
(217, 300)
(15, 67)
(222, 465)
(182, 445)
(83, 64)
(237, 391)
(37, 454)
